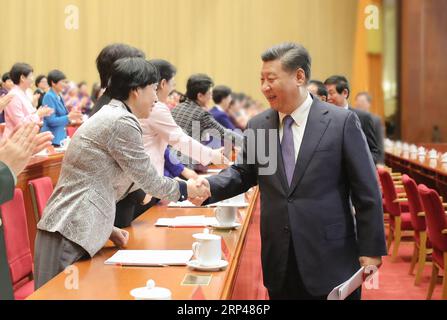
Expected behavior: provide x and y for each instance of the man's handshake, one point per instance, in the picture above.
(198, 191)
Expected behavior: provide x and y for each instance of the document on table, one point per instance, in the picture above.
(156, 258)
(214, 170)
(186, 221)
(342, 291)
(182, 204)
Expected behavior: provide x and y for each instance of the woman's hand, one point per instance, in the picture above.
(44, 111)
(119, 237)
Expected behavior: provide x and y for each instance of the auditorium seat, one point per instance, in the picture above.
(422, 245)
(41, 190)
(71, 131)
(17, 245)
(400, 220)
(437, 232)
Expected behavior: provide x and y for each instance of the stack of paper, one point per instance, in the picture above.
(150, 258)
(186, 221)
(182, 204)
(343, 291)
(214, 170)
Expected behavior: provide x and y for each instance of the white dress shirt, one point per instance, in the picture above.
(299, 116)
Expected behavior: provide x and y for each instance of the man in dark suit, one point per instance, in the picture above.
(318, 159)
(363, 102)
(15, 152)
(7, 185)
(338, 94)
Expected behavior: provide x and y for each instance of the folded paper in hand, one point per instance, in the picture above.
(345, 289)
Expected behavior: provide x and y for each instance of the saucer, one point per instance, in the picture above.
(194, 264)
(235, 225)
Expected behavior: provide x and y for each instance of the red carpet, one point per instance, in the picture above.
(396, 284)
(249, 284)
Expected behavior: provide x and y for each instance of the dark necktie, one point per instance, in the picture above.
(288, 148)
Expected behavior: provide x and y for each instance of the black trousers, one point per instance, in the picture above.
(131, 208)
(293, 287)
(6, 292)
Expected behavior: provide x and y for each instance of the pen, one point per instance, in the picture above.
(187, 226)
(141, 266)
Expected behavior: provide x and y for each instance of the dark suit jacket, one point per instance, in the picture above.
(369, 130)
(6, 183)
(379, 131)
(6, 194)
(333, 165)
(223, 118)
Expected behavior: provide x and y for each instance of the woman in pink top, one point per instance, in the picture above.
(21, 108)
(160, 129)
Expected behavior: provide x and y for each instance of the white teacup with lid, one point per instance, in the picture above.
(151, 292)
(226, 214)
(207, 248)
(433, 154)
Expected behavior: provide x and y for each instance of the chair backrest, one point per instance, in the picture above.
(414, 203)
(17, 244)
(41, 190)
(389, 192)
(71, 131)
(435, 217)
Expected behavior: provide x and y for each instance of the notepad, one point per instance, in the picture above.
(182, 204)
(149, 258)
(186, 221)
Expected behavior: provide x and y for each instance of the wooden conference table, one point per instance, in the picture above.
(432, 173)
(99, 281)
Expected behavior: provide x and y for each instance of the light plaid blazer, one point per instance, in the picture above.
(104, 159)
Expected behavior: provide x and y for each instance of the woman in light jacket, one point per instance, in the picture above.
(104, 162)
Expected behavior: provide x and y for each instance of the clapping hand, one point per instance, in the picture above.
(44, 111)
(16, 151)
(75, 116)
(198, 191)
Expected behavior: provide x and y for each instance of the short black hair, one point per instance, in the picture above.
(198, 83)
(130, 74)
(166, 69)
(292, 56)
(54, 76)
(18, 70)
(39, 78)
(112, 53)
(220, 93)
(6, 77)
(340, 82)
(321, 88)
